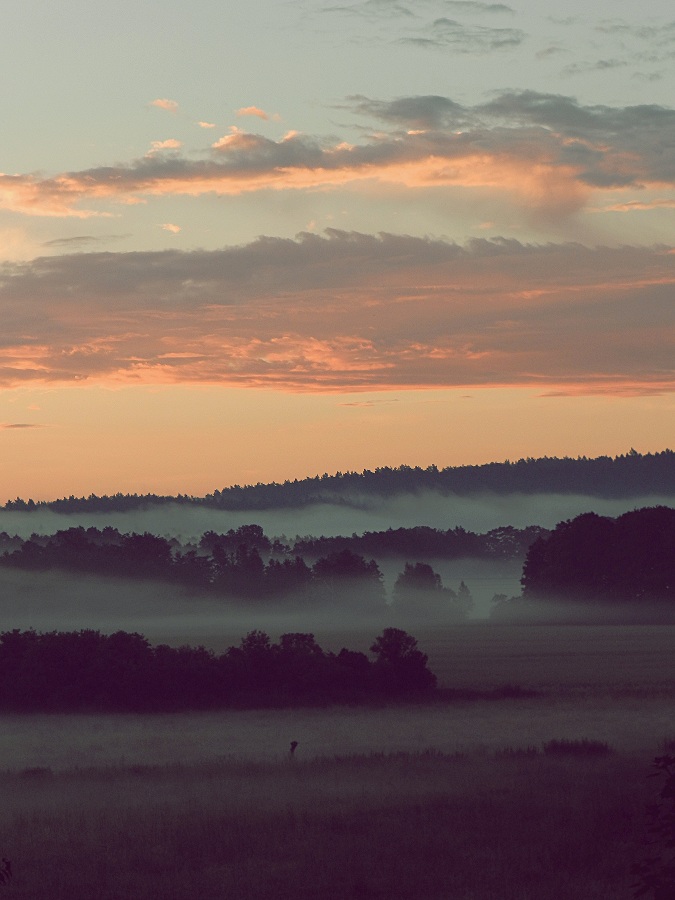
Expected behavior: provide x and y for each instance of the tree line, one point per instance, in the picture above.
(86, 671)
(627, 475)
(244, 564)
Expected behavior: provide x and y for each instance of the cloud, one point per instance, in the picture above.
(162, 103)
(83, 240)
(206, 124)
(549, 150)
(347, 311)
(638, 205)
(596, 65)
(427, 112)
(20, 425)
(624, 44)
(252, 111)
(170, 144)
(167, 226)
(472, 6)
(391, 8)
(460, 37)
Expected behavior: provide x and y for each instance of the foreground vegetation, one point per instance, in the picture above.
(537, 823)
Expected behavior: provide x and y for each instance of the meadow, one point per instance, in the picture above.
(449, 799)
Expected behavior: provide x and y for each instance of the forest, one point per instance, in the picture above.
(627, 475)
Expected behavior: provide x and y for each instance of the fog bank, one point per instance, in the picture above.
(479, 513)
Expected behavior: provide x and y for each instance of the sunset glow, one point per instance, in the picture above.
(440, 233)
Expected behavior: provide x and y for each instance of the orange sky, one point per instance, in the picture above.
(197, 439)
(346, 236)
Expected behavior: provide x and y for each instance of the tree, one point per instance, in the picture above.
(399, 666)
(346, 577)
(630, 559)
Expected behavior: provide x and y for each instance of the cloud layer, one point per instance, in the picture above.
(347, 311)
(549, 150)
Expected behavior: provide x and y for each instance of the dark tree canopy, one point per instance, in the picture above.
(400, 667)
(90, 671)
(592, 558)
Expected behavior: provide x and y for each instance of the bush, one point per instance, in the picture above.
(655, 874)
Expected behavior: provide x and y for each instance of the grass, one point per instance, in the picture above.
(583, 747)
(432, 825)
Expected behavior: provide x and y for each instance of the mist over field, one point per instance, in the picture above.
(171, 613)
(480, 513)
(167, 613)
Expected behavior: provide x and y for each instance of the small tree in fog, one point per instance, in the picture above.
(419, 594)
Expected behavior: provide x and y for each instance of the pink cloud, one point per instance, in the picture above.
(170, 144)
(162, 103)
(246, 162)
(519, 145)
(347, 311)
(252, 111)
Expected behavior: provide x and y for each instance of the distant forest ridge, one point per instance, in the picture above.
(629, 475)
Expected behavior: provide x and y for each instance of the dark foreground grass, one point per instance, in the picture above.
(407, 826)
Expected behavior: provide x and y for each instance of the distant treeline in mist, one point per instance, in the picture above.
(600, 561)
(244, 564)
(629, 475)
(85, 671)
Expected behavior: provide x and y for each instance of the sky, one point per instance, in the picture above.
(255, 241)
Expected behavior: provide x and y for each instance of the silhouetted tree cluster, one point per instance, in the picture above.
(424, 542)
(229, 565)
(630, 559)
(419, 594)
(628, 475)
(90, 671)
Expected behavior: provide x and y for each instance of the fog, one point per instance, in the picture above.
(479, 513)
(64, 741)
(169, 613)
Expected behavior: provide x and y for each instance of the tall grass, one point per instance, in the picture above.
(408, 826)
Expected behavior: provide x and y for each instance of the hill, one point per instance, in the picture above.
(628, 475)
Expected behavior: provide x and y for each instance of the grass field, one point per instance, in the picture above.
(438, 801)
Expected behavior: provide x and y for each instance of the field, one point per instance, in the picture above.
(454, 799)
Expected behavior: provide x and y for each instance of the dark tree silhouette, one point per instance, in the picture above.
(399, 666)
(630, 559)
